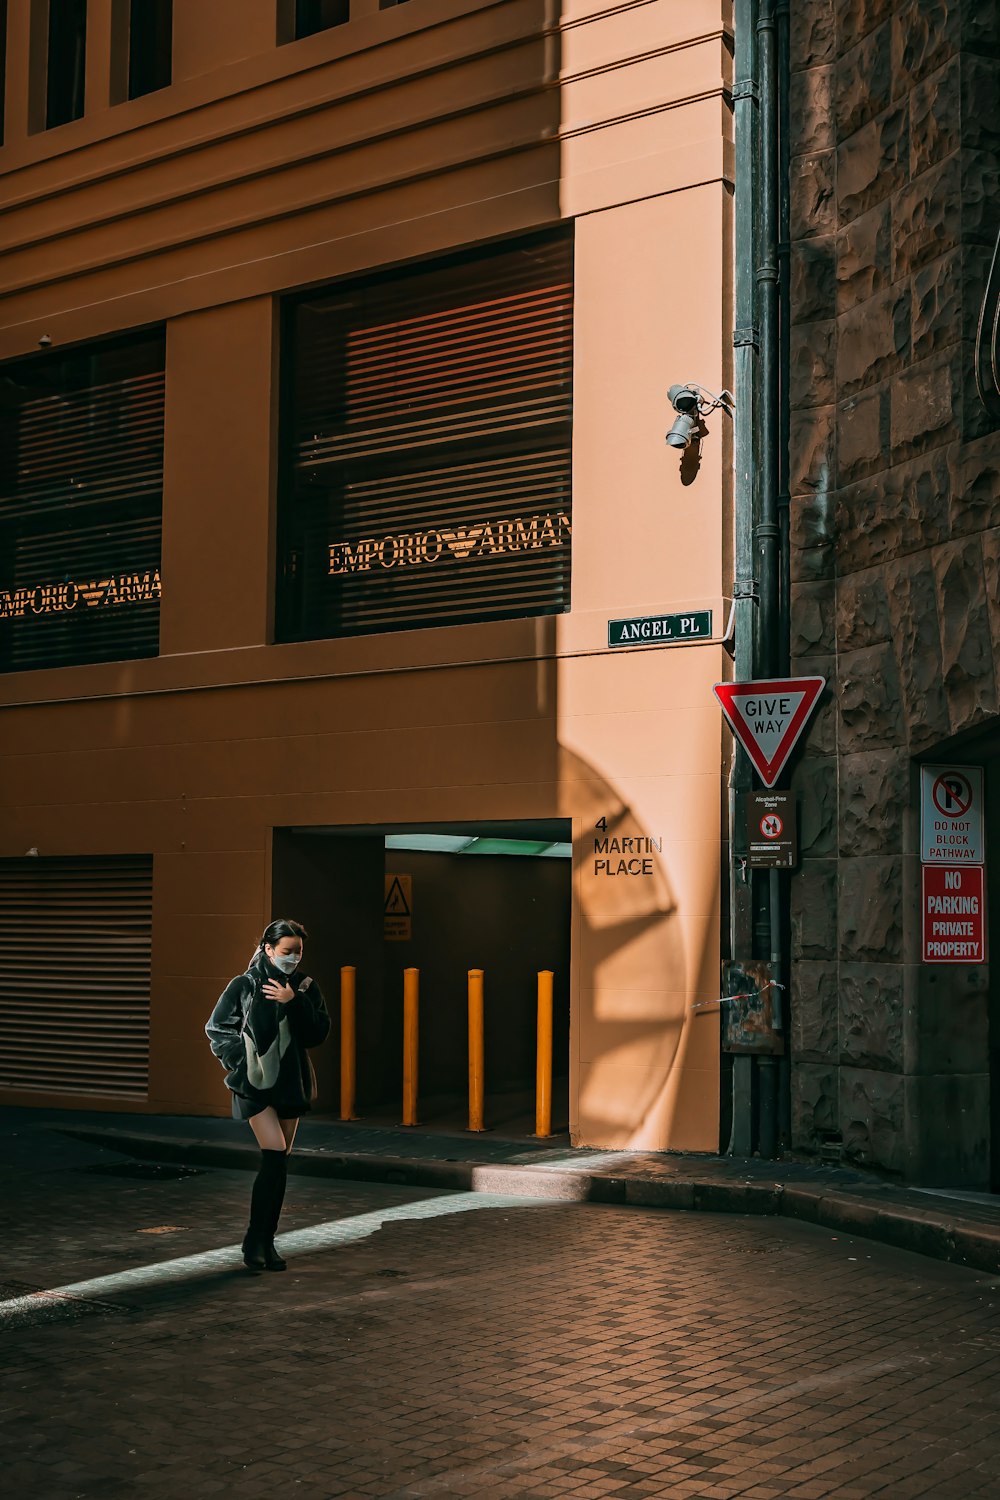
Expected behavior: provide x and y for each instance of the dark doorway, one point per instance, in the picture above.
(495, 897)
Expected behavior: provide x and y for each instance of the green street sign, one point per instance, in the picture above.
(652, 630)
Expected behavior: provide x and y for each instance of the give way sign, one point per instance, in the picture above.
(768, 717)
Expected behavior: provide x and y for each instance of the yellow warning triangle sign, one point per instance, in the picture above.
(396, 904)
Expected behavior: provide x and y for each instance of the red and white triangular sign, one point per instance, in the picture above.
(768, 717)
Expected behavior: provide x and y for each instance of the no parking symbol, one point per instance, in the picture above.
(952, 794)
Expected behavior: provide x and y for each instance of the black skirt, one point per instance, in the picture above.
(245, 1109)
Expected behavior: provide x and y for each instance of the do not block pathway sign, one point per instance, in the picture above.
(951, 815)
(767, 717)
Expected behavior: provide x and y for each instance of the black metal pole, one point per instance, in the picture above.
(766, 533)
(783, 19)
(783, 16)
(745, 345)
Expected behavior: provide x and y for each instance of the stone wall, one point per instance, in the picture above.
(895, 524)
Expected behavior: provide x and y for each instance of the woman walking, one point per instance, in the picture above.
(260, 1030)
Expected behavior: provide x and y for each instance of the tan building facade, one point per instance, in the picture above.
(240, 768)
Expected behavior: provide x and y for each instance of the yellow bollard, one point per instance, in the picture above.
(476, 1051)
(411, 1010)
(543, 1073)
(348, 1043)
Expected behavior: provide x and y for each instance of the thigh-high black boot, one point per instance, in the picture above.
(272, 1260)
(268, 1188)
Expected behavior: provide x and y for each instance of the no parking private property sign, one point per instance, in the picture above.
(954, 915)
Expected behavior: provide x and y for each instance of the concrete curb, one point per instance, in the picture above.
(939, 1235)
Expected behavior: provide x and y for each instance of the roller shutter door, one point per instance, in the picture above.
(427, 422)
(74, 1016)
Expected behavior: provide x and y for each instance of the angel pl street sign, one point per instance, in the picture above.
(651, 630)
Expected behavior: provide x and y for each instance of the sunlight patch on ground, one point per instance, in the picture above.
(331, 1235)
(588, 1161)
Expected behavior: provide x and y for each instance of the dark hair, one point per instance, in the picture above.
(274, 932)
(281, 928)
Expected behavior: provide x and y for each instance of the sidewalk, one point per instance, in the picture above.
(959, 1227)
(427, 1344)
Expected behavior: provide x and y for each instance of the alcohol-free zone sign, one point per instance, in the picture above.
(951, 815)
(954, 922)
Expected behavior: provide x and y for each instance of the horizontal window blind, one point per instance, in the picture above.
(426, 427)
(81, 496)
(74, 1014)
(319, 15)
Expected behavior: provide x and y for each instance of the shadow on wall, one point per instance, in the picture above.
(634, 1015)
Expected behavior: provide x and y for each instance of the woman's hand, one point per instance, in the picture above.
(274, 990)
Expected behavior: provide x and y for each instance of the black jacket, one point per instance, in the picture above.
(308, 1020)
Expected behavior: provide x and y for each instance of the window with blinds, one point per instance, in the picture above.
(81, 498)
(74, 991)
(3, 66)
(427, 446)
(312, 16)
(150, 46)
(66, 71)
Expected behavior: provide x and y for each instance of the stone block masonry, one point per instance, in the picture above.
(895, 535)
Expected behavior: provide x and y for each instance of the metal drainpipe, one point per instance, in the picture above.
(782, 13)
(746, 343)
(766, 533)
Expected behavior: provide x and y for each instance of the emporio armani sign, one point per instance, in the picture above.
(59, 598)
(483, 539)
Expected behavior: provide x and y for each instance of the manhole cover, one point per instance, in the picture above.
(147, 1171)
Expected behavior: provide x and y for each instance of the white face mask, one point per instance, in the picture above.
(286, 962)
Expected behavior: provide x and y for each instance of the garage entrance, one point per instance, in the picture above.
(441, 898)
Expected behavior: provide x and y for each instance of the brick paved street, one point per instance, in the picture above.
(431, 1344)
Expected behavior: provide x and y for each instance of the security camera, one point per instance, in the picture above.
(691, 403)
(683, 430)
(684, 398)
(685, 402)
(45, 342)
